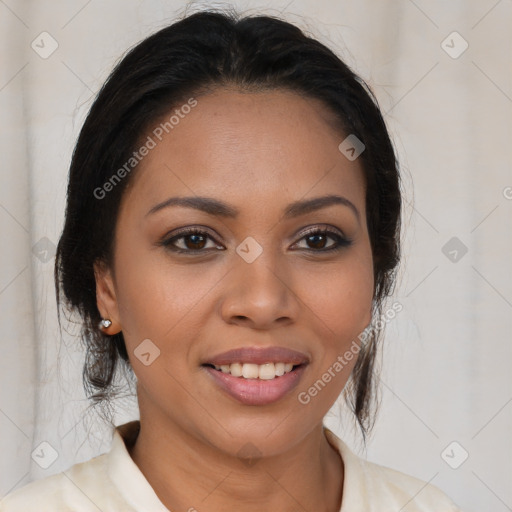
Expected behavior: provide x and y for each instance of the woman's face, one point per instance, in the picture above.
(256, 285)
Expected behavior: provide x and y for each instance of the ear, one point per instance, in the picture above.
(106, 299)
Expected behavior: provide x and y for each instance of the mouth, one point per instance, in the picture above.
(266, 371)
(257, 376)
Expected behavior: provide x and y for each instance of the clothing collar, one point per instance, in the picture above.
(126, 475)
(356, 489)
(134, 487)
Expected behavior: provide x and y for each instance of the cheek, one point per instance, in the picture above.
(340, 298)
(341, 304)
(345, 305)
(156, 298)
(163, 304)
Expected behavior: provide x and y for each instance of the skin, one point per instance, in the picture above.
(257, 151)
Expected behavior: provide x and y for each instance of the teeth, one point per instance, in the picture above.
(250, 371)
(267, 371)
(235, 369)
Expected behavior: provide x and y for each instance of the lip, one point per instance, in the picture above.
(256, 391)
(259, 355)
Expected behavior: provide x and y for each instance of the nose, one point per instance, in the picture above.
(260, 294)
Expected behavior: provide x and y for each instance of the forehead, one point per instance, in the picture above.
(256, 146)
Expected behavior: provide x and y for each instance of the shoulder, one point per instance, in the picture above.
(369, 486)
(412, 494)
(101, 483)
(79, 488)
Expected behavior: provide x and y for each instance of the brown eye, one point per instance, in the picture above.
(189, 241)
(316, 240)
(194, 241)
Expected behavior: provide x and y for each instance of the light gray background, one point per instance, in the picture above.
(447, 354)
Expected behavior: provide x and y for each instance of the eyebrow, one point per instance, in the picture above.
(218, 208)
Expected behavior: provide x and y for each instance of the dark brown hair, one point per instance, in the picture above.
(198, 53)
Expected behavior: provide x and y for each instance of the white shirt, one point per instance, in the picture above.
(112, 482)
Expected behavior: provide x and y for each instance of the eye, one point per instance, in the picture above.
(195, 240)
(317, 238)
(189, 240)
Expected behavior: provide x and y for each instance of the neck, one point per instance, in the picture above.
(188, 474)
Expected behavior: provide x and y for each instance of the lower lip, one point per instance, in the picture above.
(257, 391)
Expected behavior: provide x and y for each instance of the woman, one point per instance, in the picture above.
(232, 229)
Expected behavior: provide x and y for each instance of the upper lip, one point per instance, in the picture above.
(259, 355)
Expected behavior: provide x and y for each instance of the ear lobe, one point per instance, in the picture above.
(106, 299)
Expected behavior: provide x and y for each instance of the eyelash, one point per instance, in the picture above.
(340, 241)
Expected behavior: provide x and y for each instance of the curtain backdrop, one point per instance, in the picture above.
(442, 74)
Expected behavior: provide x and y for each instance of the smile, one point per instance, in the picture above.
(257, 375)
(267, 371)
